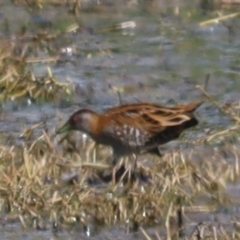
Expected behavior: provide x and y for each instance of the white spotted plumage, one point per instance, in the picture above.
(134, 128)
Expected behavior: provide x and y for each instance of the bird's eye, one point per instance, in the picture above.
(74, 120)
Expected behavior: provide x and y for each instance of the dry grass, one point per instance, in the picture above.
(17, 81)
(40, 183)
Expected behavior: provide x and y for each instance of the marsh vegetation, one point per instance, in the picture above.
(58, 56)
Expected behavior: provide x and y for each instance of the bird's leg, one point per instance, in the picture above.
(116, 165)
(123, 167)
(128, 169)
(132, 168)
(134, 156)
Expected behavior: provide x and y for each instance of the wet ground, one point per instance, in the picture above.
(161, 59)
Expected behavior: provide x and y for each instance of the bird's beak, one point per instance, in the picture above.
(65, 128)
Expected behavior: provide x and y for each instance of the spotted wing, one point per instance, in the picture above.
(148, 125)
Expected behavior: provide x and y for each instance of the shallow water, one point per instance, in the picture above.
(161, 60)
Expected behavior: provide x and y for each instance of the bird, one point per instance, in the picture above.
(133, 128)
